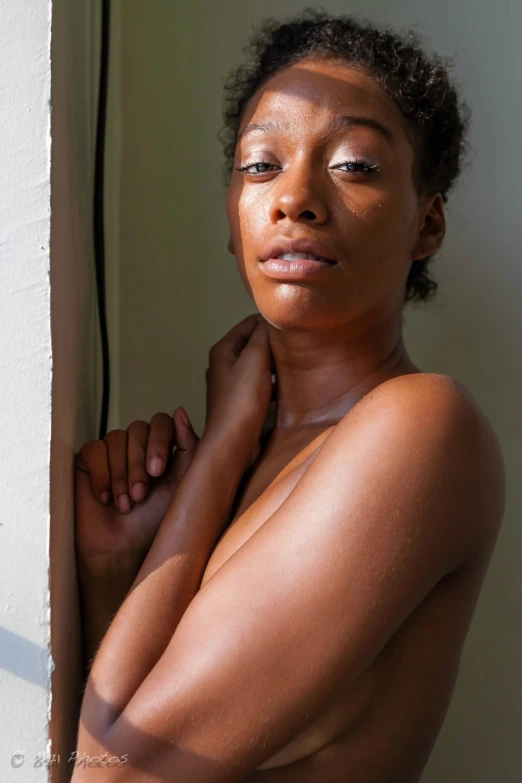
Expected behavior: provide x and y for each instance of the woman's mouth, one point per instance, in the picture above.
(296, 266)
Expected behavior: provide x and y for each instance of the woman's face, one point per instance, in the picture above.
(329, 162)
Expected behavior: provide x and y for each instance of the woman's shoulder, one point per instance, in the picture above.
(430, 399)
(424, 411)
(429, 428)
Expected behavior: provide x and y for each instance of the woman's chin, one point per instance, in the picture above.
(300, 319)
(302, 307)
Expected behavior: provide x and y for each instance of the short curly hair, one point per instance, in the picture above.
(419, 83)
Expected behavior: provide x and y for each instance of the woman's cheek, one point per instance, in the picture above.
(242, 273)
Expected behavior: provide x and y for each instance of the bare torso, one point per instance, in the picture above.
(383, 727)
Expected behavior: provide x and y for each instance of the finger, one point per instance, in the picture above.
(257, 349)
(231, 345)
(159, 445)
(137, 476)
(93, 459)
(185, 437)
(116, 441)
(186, 443)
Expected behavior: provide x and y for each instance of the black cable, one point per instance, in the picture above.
(98, 212)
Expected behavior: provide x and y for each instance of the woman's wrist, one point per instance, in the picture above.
(232, 447)
(108, 570)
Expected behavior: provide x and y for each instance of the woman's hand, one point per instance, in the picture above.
(239, 386)
(122, 493)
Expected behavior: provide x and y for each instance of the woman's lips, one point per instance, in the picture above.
(297, 269)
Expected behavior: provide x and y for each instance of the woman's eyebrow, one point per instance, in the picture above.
(350, 121)
(339, 123)
(262, 126)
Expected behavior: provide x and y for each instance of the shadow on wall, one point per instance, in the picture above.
(23, 658)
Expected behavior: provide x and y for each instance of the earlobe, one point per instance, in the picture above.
(432, 231)
(426, 246)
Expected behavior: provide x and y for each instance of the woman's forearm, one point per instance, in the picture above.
(166, 583)
(101, 595)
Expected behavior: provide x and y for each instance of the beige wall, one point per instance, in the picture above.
(179, 290)
(75, 388)
(178, 286)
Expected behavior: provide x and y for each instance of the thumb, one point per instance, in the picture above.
(185, 437)
(185, 441)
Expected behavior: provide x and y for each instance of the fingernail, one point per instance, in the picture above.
(104, 497)
(138, 491)
(155, 466)
(124, 503)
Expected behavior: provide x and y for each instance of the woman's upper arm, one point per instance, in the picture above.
(306, 604)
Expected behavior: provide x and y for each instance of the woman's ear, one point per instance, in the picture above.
(231, 246)
(432, 229)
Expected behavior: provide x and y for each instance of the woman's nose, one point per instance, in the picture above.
(297, 196)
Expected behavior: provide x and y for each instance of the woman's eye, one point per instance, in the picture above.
(358, 165)
(261, 167)
(257, 168)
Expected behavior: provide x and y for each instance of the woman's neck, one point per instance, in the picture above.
(321, 375)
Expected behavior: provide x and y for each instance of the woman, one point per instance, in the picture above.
(298, 592)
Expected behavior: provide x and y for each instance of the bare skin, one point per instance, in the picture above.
(318, 584)
(382, 726)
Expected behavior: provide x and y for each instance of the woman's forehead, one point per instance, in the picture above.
(316, 90)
